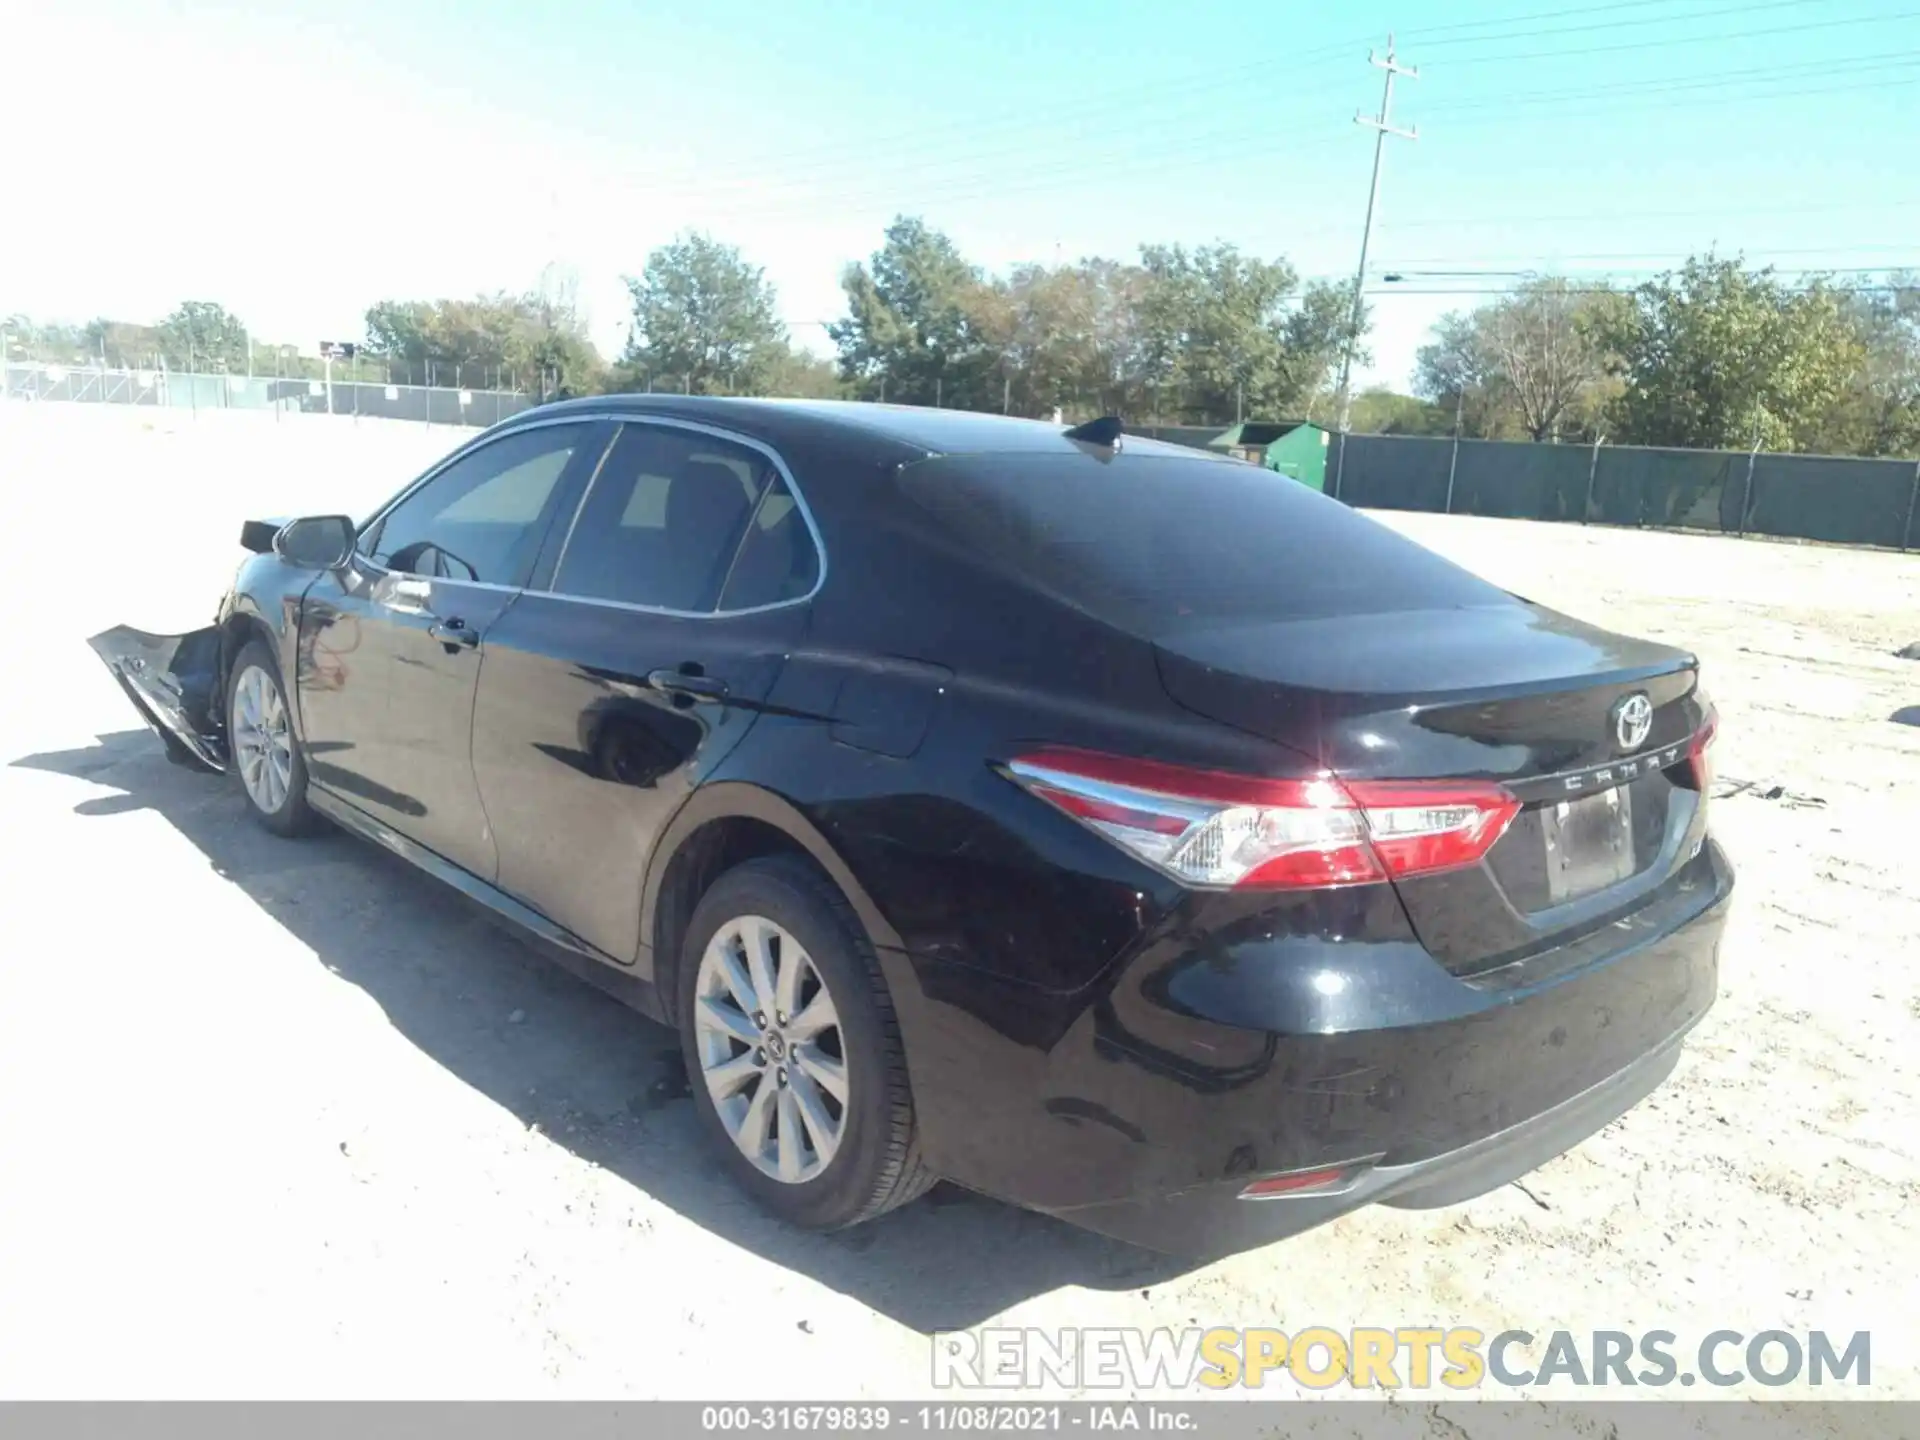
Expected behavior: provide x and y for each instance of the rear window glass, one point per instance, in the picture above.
(1164, 543)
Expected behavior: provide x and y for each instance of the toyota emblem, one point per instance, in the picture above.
(1632, 720)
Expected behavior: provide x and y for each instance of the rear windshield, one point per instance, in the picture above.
(1161, 544)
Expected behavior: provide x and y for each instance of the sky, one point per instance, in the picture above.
(299, 161)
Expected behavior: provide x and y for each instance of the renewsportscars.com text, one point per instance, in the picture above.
(1457, 1358)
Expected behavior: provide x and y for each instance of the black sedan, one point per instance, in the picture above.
(1125, 832)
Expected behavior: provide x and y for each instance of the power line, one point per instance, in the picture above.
(1653, 255)
(1178, 153)
(1421, 35)
(1697, 102)
(1510, 291)
(1621, 24)
(966, 167)
(1807, 208)
(1131, 98)
(1390, 274)
(1584, 50)
(1131, 165)
(960, 149)
(1851, 64)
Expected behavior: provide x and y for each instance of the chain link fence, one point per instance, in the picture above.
(1839, 499)
(181, 390)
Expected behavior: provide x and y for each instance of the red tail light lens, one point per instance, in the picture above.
(1210, 828)
(1698, 752)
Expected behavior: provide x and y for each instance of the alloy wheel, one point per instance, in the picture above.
(262, 739)
(770, 1049)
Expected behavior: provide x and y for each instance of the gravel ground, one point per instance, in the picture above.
(285, 1119)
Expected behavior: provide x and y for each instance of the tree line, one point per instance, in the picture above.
(1715, 354)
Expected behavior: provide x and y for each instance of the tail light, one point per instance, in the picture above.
(1210, 828)
(1699, 758)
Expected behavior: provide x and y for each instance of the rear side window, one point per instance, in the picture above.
(777, 560)
(1162, 543)
(664, 520)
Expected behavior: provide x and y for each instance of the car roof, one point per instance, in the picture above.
(922, 431)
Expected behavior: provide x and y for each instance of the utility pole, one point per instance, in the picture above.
(1382, 126)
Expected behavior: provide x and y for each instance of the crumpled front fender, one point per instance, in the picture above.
(173, 681)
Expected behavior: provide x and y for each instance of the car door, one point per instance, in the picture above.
(610, 693)
(391, 648)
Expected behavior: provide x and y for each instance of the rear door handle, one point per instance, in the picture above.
(454, 634)
(694, 687)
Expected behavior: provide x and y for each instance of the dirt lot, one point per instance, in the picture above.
(284, 1119)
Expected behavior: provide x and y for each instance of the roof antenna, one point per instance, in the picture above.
(1104, 432)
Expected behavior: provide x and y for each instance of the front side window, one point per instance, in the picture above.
(484, 516)
(665, 519)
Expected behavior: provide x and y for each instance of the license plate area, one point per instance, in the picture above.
(1589, 843)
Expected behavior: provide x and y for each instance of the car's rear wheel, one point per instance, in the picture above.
(263, 752)
(792, 1048)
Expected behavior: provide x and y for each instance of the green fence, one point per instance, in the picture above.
(1814, 497)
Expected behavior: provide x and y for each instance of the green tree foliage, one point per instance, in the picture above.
(923, 325)
(1717, 356)
(1878, 413)
(535, 341)
(1184, 334)
(1224, 334)
(1537, 365)
(47, 344)
(704, 320)
(202, 335)
(1380, 411)
(1064, 339)
(122, 346)
(803, 376)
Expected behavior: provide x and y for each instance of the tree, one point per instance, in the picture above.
(1878, 413)
(1716, 356)
(1222, 334)
(535, 341)
(704, 320)
(1060, 338)
(122, 345)
(804, 376)
(202, 335)
(1549, 345)
(1537, 363)
(1380, 411)
(49, 344)
(923, 325)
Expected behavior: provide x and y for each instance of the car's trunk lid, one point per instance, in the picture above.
(1506, 691)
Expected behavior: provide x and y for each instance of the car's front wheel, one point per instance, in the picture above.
(792, 1048)
(262, 750)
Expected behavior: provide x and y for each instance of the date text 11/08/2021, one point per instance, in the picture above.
(963, 1417)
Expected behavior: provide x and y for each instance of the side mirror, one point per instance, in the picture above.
(317, 542)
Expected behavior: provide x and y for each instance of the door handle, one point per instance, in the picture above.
(678, 684)
(454, 634)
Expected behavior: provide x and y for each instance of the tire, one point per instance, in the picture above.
(874, 1164)
(275, 794)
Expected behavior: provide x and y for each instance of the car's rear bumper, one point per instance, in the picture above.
(1215, 1219)
(1248, 1052)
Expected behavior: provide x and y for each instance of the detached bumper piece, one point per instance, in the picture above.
(171, 681)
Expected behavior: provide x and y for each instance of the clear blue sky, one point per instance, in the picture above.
(300, 160)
